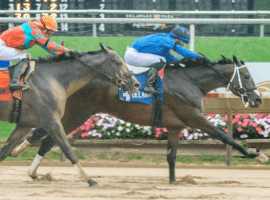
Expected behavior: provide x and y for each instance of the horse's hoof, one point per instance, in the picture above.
(92, 183)
(34, 178)
(173, 182)
(261, 158)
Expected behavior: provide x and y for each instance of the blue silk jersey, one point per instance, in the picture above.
(161, 44)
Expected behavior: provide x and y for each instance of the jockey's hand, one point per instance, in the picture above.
(203, 57)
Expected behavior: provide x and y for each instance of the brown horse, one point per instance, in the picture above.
(54, 81)
(182, 104)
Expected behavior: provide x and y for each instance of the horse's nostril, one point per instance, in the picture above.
(258, 101)
(137, 85)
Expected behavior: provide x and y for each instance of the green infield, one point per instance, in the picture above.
(248, 49)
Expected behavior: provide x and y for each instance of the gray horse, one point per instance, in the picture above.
(54, 81)
(182, 105)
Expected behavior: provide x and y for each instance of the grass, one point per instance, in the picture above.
(121, 156)
(248, 49)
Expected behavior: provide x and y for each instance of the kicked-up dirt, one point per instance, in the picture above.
(60, 181)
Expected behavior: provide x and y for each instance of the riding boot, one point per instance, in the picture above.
(16, 84)
(152, 75)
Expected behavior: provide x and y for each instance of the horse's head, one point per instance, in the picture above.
(119, 71)
(242, 85)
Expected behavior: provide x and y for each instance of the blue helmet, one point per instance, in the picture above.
(180, 33)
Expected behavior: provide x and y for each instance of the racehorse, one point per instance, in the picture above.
(182, 104)
(54, 81)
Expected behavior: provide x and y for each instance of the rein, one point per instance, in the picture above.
(118, 79)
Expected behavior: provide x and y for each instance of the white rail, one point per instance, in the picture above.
(95, 12)
(191, 21)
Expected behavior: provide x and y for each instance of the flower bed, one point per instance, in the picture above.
(104, 126)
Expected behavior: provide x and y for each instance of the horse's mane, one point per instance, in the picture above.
(66, 56)
(195, 62)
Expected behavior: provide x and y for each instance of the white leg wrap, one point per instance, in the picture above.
(33, 168)
(16, 152)
(83, 176)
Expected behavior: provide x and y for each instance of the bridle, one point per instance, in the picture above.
(120, 80)
(241, 90)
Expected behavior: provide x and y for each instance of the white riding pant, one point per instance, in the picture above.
(10, 53)
(138, 59)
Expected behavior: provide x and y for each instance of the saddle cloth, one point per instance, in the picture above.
(140, 96)
(5, 94)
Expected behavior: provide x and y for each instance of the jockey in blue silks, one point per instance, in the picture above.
(154, 50)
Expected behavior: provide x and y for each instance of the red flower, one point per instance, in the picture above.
(89, 120)
(226, 130)
(73, 132)
(251, 122)
(165, 130)
(84, 134)
(158, 129)
(211, 115)
(157, 134)
(87, 127)
(259, 116)
(82, 127)
(254, 124)
(181, 135)
(259, 130)
(246, 120)
(239, 129)
(239, 123)
(225, 118)
(237, 116)
(92, 125)
(95, 119)
(244, 124)
(234, 120)
(245, 116)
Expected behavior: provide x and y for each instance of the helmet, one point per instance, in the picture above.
(48, 22)
(180, 33)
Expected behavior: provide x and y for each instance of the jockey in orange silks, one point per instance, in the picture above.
(15, 41)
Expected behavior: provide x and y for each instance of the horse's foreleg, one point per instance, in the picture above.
(46, 145)
(56, 131)
(199, 121)
(172, 151)
(15, 137)
(36, 135)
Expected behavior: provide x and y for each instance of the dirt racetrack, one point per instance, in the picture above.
(133, 183)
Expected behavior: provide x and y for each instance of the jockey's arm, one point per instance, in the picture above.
(181, 50)
(51, 47)
(171, 58)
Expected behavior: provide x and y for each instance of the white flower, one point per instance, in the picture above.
(120, 128)
(121, 121)
(127, 130)
(128, 124)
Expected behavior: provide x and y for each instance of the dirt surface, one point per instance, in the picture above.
(59, 181)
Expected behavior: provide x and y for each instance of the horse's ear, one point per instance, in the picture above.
(103, 47)
(223, 57)
(235, 59)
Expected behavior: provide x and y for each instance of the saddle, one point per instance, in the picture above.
(14, 96)
(157, 100)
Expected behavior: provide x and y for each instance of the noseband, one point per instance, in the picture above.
(119, 79)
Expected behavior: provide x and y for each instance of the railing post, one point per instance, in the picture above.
(230, 134)
(192, 37)
(262, 30)
(94, 28)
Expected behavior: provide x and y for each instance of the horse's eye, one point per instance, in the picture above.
(246, 76)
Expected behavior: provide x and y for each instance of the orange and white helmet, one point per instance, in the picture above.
(48, 23)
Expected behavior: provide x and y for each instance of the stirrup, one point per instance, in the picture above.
(153, 91)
